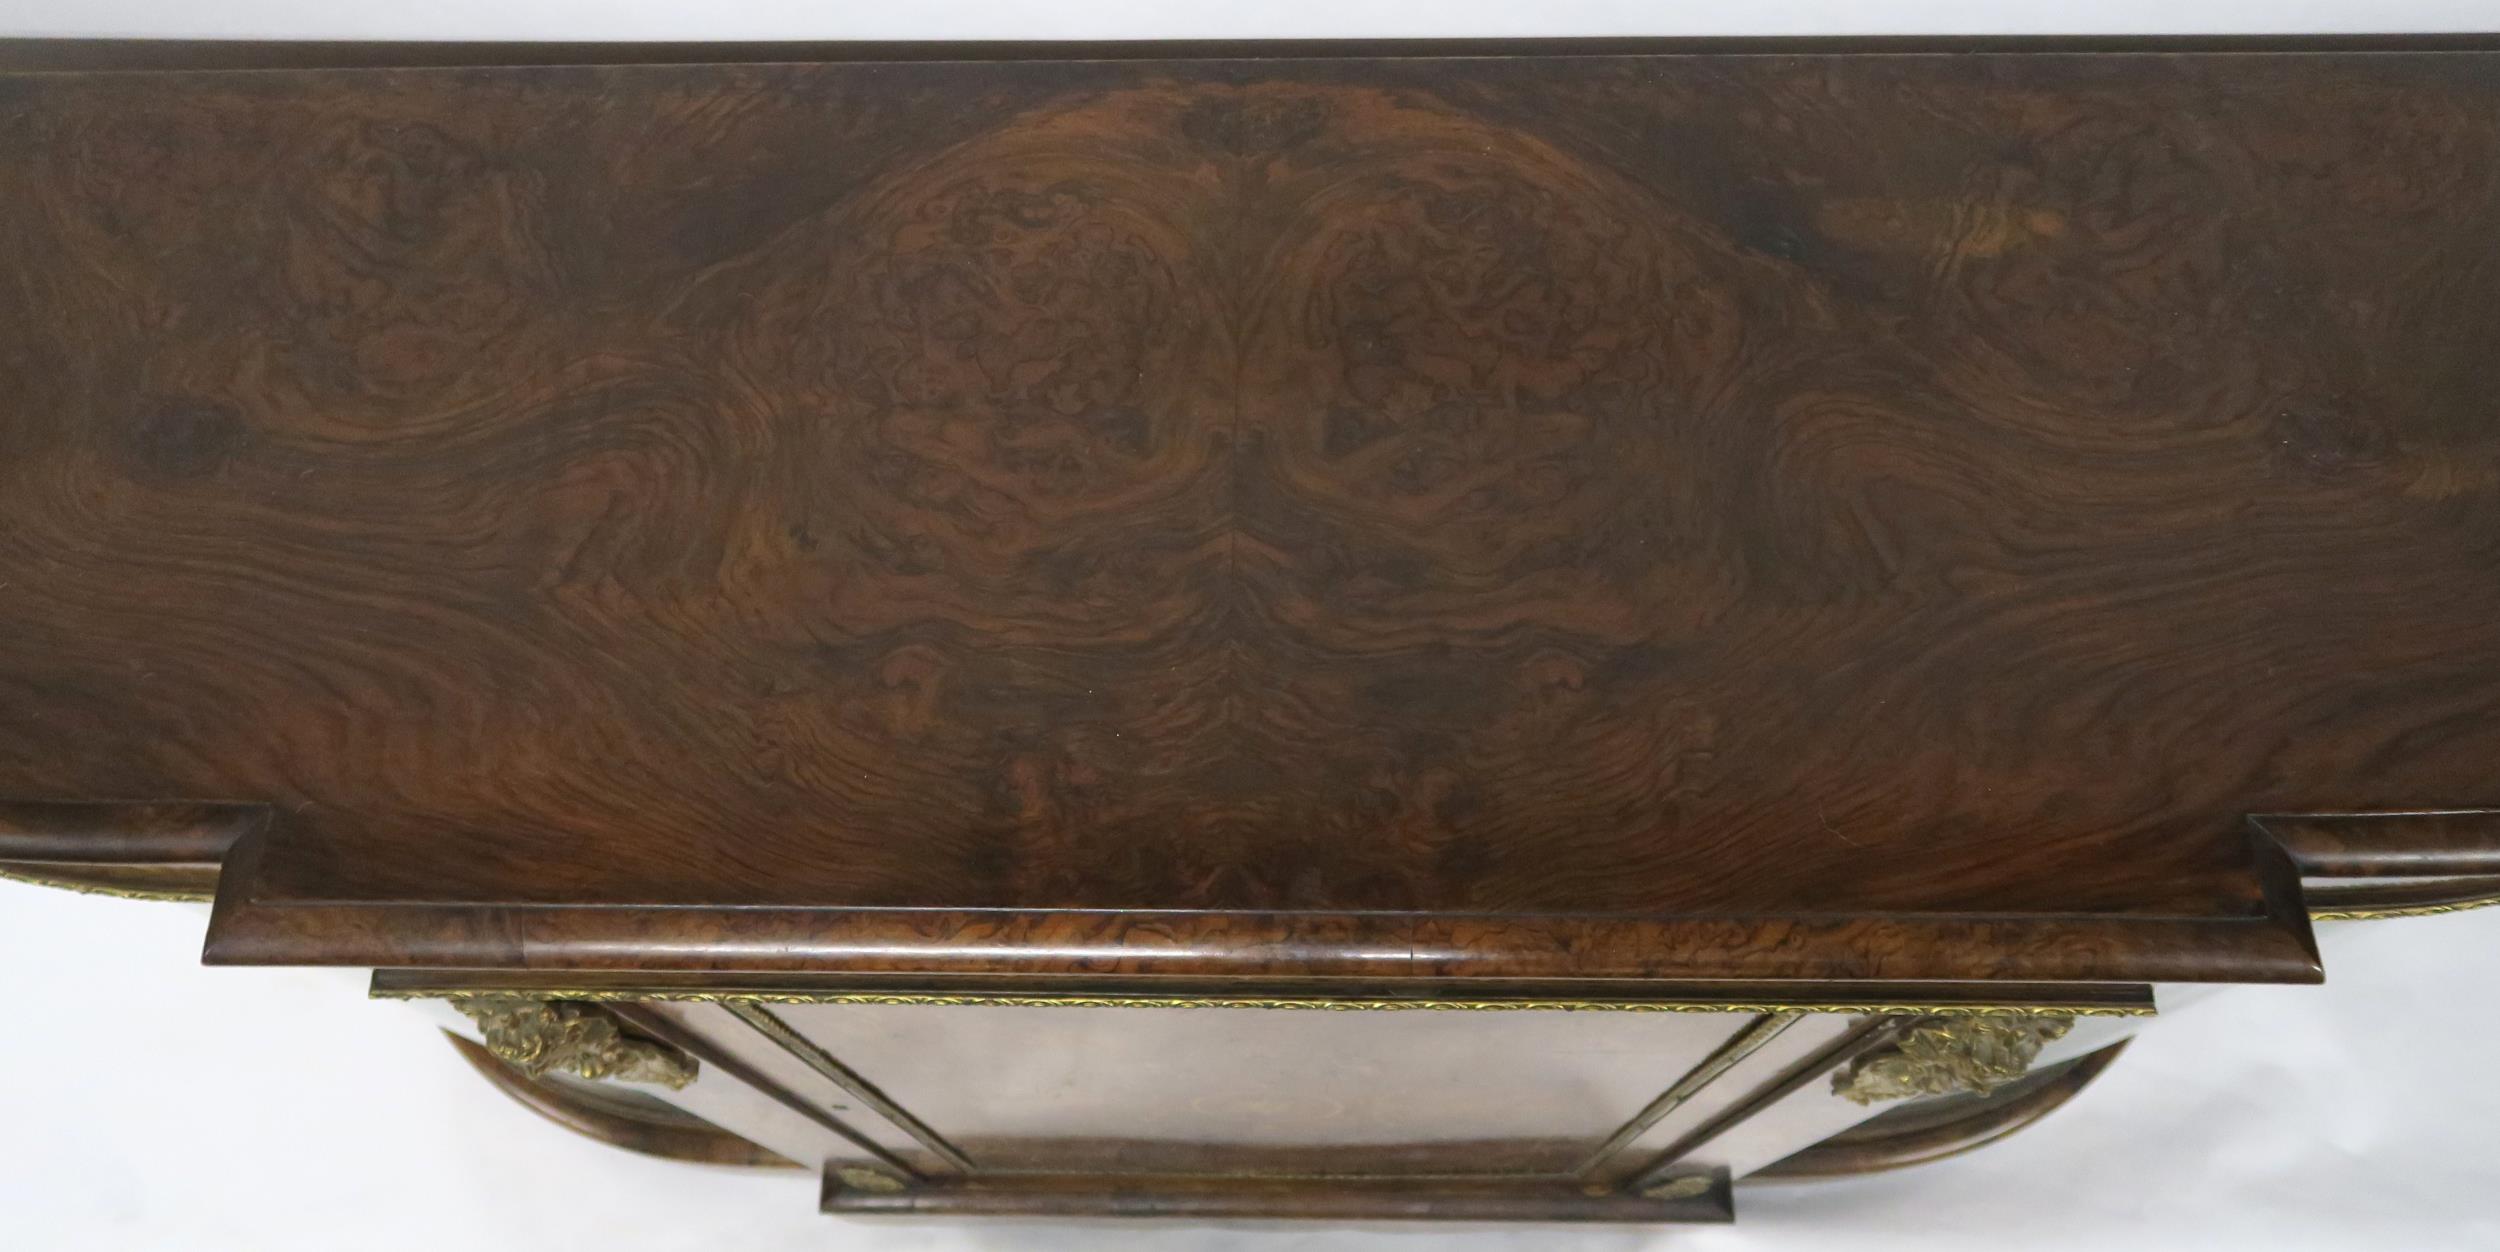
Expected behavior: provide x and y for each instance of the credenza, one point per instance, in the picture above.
(1481, 631)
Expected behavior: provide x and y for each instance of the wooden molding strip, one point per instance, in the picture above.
(2389, 864)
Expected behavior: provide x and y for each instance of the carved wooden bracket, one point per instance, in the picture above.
(536, 1036)
(1950, 1054)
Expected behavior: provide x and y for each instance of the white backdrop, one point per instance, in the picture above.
(154, 1105)
(146, 1103)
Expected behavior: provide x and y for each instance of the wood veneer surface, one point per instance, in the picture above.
(1575, 491)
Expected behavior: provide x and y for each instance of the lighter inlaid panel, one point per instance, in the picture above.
(1258, 1091)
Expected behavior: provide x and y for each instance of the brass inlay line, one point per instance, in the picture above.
(2367, 913)
(694, 995)
(97, 889)
(849, 1080)
(1745, 1043)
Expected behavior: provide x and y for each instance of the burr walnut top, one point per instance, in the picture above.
(1306, 506)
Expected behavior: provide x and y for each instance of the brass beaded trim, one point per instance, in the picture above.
(118, 893)
(2402, 910)
(1233, 1002)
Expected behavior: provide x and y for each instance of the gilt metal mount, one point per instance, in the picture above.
(1946, 1055)
(542, 1036)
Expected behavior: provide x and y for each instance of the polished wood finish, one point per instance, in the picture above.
(2358, 897)
(2389, 845)
(1213, 1199)
(2113, 999)
(1781, 516)
(160, 851)
(1767, 529)
(650, 1128)
(2359, 865)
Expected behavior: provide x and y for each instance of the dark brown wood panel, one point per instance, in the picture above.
(2092, 999)
(1783, 516)
(2404, 846)
(1340, 1200)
